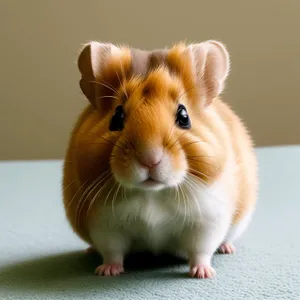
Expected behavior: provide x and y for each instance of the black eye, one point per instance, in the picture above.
(182, 117)
(117, 120)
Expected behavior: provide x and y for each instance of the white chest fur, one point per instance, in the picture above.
(157, 220)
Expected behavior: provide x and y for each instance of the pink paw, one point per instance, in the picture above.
(226, 248)
(109, 270)
(90, 250)
(202, 271)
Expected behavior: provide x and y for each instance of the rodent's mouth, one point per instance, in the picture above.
(151, 184)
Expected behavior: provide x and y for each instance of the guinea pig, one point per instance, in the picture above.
(157, 161)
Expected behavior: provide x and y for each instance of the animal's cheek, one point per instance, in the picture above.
(127, 170)
(171, 170)
(178, 161)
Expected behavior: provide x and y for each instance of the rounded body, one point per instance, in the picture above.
(164, 219)
(157, 161)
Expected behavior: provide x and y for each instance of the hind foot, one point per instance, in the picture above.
(109, 270)
(226, 248)
(90, 250)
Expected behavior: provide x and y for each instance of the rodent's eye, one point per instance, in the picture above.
(117, 120)
(182, 117)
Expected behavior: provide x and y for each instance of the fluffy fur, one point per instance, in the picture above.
(205, 184)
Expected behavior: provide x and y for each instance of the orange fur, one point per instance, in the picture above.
(150, 103)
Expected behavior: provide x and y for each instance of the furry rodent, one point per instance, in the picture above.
(157, 161)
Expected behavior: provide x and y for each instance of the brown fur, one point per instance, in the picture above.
(150, 90)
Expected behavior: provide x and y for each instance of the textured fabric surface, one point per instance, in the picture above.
(40, 257)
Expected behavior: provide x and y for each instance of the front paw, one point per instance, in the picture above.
(202, 271)
(109, 270)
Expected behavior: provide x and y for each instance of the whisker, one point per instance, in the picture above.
(108, 96)
(191, 143)
(185, 205)
(105, 85)
(114, 199)
(178, 202)
(112, 143)
(82, 200)
(123, 74)
(200, 173)
(193, 198)
(125, 194)
(189, 199)
(200, 179)
(65, 188)
(97, 194)
(71, 202)
(124, 199)
(100, 178)
(204, 162)
(200, 156)
(109, 193)
(121, 83)
(193, 182)
(130, 143)
(177, 140)
(174, 189)
(195, 179)
(85, 195)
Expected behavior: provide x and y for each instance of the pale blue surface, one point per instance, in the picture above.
(40, 257)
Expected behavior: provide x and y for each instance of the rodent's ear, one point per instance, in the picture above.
(91, 62)
(211, 64)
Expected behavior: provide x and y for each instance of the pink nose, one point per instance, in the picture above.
(151, 157)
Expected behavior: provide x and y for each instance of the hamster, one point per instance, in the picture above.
(157, 161)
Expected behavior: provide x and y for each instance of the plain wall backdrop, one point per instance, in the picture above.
(39, 91)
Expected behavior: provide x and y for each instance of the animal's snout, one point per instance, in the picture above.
(151, 157)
